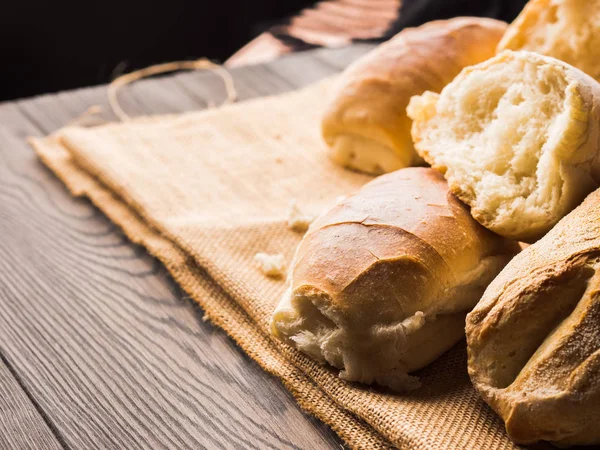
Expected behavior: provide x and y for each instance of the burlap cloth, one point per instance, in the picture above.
(204, 192)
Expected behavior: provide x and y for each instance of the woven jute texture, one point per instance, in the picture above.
(204, 192)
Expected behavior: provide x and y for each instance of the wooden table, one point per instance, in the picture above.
(98, 346)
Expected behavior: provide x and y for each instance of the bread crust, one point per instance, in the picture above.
(563, 29)
(534, 338)
(366, 126)
(381, 283)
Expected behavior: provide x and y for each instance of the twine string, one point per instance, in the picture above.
(200, 64)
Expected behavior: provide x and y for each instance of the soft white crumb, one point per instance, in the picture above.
(297, 220)
(271, 265)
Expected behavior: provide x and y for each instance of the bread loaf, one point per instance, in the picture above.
(381, 284)
(366, 126)
(564, 29)
(534, 338)
(517, 138)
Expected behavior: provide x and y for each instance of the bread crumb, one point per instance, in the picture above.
(271, 265)
(298, 221)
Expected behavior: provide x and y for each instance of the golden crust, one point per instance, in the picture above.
(534, 338)
(366, 126)
(400, 262)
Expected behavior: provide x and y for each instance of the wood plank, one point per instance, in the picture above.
(340, 59)
(357, 25)
(388, 13)
(316, 64)
(21, 424)
(113, 356)
(328, 23)
(261, 49)
(105, 343)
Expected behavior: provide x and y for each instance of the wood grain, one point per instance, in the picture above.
(22, 425)
(101, 340)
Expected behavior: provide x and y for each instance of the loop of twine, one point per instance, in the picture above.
(164, 68)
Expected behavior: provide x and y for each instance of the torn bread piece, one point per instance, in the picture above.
(297, 220)
(271, 265)
(380, 285)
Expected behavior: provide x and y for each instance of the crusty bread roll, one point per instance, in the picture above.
(366, 126)
(534, 338)
(564, 29)
(380, 284)
(517, 138)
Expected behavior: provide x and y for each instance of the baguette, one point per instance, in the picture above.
(534, 338)
(366, 126)
(381, 284)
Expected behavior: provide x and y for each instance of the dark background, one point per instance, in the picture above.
(48, 46)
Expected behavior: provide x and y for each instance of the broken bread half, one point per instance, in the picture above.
(517, 138)
(534, 338)
(380, 285)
